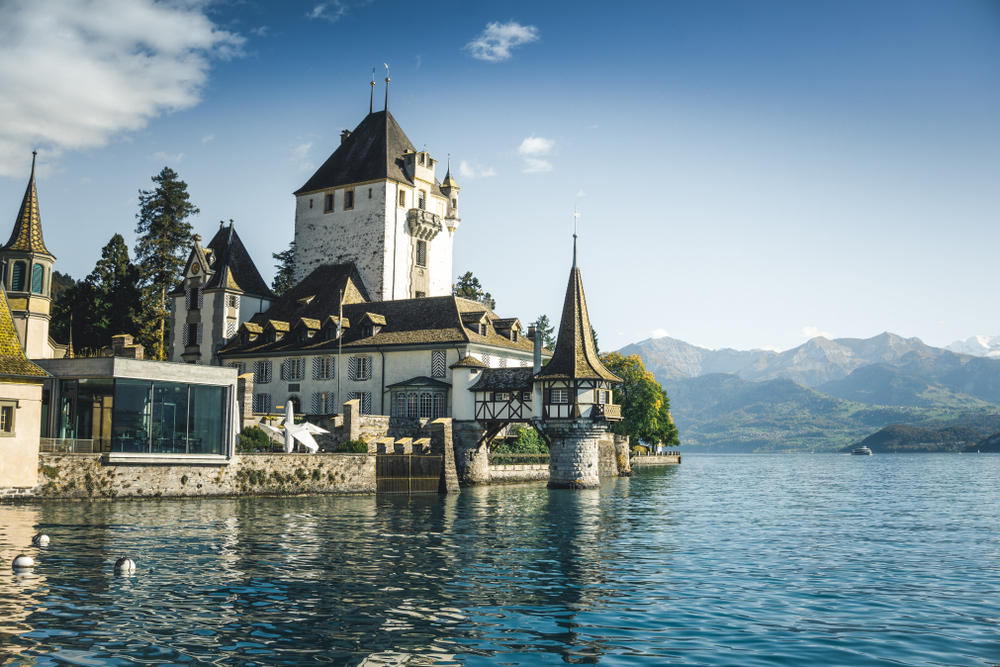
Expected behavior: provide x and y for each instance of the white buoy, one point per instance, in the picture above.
(40, 540)
(22, 562)
(124, 565)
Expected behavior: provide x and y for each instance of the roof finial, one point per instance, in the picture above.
(69, 345)
(371, 98)
(576, 218)
(386, 86)
(34, 154)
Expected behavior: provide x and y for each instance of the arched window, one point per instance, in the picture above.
(17, 277)
(400, 405)
(411, 405)
(438, 406)
(37, 279)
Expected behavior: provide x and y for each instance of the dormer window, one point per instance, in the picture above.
(513, 335)
(420, 159)
(482, 328)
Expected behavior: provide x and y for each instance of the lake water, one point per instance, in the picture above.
(740, 560)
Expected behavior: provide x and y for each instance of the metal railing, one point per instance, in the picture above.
(608, 411)
(67, 446)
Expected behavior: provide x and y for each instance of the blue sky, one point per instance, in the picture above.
(748, 174)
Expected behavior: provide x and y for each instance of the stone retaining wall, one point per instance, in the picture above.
(661, 460)
(526, 472)
(86, 476)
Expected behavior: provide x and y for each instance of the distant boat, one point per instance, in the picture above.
(861, 451)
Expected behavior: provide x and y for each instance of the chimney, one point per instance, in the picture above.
(343, 135)
(537, 340)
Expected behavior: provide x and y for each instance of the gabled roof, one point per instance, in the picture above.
(307, 322)
(373, 318)
(323, 285)
(27, 233)
(373, 151)
(233, 268)
(13, 362)
(504, 379)
(575, 356)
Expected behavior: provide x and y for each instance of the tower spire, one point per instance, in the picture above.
(371, 98)
(27, 233)
(386, 86)
(576, 218)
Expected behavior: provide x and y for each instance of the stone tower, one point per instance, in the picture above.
(27, 276)
(576, 395)
(376, 202)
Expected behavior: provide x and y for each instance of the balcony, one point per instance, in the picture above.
(423, 224)
(607, 412)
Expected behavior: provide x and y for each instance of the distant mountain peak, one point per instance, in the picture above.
(978, 346)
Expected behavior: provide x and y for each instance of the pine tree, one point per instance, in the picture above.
(547, 331)
(164, 238)
(468, 287)
(115, 291)
(284, 278)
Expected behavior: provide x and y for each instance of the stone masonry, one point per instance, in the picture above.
(574, 452)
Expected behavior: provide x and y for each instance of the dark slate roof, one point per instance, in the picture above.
(233, 267)
(426, 321)
(317, 295)
(468, 362)
(13, 362)
(419, 381)
(575, 356)
(27, 233)
(504, 379)
(373, 151)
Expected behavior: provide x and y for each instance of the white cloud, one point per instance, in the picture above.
(533, 149)
(580, 193)
(535, 146)
(160, 156)
(470, 171)
(300, 155)
(495, 42)
(260, 31)
(334, 10)
(810, 331)
(74, 75)
(659, 333)
(207, 138)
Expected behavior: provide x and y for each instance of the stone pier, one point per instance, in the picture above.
(574, 453)
(472, 457)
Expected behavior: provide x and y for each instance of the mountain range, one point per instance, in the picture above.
(822, 395)
(978, 346)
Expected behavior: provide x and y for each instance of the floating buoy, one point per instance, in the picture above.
(22, 562)
(124, 565)
(40, 540)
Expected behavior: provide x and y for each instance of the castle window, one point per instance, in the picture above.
(420, 159)
(419, 295)
(323, 368)
(7, 409)
(359, 369)
(192, 334)
(193, 298)
(328, 203)
(17, 277)
(348, 199)
(364, 399)
(402, 198)
(426, 405)
(369, 193)
(37, 279)
(422, 253)
(261, 373)
(454, 203)
(559, 396)
(421, 199)
(603, 396)
(293, 369)
(310, 202)
(262, 403)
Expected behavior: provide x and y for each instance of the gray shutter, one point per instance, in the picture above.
(317, 368)
(352, 368)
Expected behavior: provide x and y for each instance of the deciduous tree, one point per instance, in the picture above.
(645, 406)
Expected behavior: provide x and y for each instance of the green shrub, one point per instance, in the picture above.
(252, 439)
(357, 446)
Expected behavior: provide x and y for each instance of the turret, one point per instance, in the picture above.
(27, 275)
(450, 189)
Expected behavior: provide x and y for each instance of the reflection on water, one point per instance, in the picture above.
(736, 560)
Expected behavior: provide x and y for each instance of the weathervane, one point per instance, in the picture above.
(386, 86)
(371, 98)
(576, 220)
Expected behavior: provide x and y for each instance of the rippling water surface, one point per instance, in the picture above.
(769, 559)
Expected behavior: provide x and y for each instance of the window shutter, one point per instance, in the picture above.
(236, 301)
(317, 369)
(352, 368)
(317, 403)
(332, 370)
(284, 369)
(438, 364)
(184, 336)
(200, 299)
(187, 299)
(199, 327)
(366, 402)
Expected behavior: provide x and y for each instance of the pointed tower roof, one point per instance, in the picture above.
(233, 268)
(575, 356)
(27, 234)
(449, 182)
(373, 151)
(13, 362)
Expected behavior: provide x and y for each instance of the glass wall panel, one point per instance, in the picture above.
(66, 426)
(170, 406)
(207, 427)
(131, 417)
(93, 412)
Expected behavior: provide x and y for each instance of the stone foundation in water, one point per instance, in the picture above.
(87, 476)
